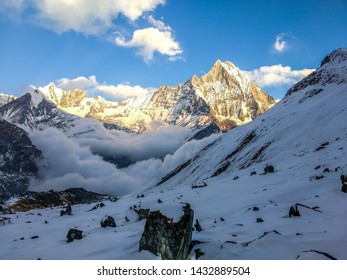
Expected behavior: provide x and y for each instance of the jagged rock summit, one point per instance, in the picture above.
(225, 96)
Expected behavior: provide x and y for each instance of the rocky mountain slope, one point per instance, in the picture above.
(17, 160)
(270, 189)
(225, 96)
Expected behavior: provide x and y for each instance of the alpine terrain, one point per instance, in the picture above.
(272, 188)
(224, 97)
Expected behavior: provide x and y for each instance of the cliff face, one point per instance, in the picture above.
(17, 159)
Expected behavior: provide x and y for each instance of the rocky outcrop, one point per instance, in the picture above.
(166, 238)
(17, 160)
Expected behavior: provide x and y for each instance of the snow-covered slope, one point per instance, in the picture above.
(243, 211)
(225, 96)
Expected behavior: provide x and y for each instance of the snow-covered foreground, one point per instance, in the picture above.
(224, 209)
(243, 212)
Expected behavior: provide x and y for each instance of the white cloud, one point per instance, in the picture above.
(92, 86)
(89, 17)
(277, 75)
(97, 18)
(150, 40)
(123, 91)
(158, 38)
(81, 82)
(280, 44)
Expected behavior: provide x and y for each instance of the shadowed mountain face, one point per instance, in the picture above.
(17, 159)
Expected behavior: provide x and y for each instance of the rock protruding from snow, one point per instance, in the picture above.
(74, 234)
(108, 222)
(166, 238)
(344, 183)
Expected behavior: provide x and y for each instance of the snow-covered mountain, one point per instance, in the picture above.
(5, 98)
(225, 96)
(34, 111)
(241, 188)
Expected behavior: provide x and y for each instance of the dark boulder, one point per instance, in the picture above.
(163, 237)
(99, 205)
(344, 183)
(67, 211)
(294, 211)
(269, 169)
(197, 226)
(74, 234)
(108, 222)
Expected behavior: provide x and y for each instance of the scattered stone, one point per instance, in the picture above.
(35, 237)
(46, 222)
(326, 170)
(74, 234)
(126, 219)
(193, 243)
(322, 146)
(318, 177)
(318, 252)
(255, 208)
(317, 167)
(159, 200)
(253, 173)
(222, 219)
(170, 240)
(198, 186)
(344, 183)
(67, 211)
(260, 220)
(108, 222)
(99, 205)
(198, 253)
(22, 238)
(269, 169)
(197, 226)
(235, 178)
(294, 211)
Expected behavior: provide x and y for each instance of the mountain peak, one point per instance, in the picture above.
(338, 56)
(332, 71)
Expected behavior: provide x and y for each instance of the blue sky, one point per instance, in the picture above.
(124, 48)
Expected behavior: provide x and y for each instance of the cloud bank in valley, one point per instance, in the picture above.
(75, 159)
